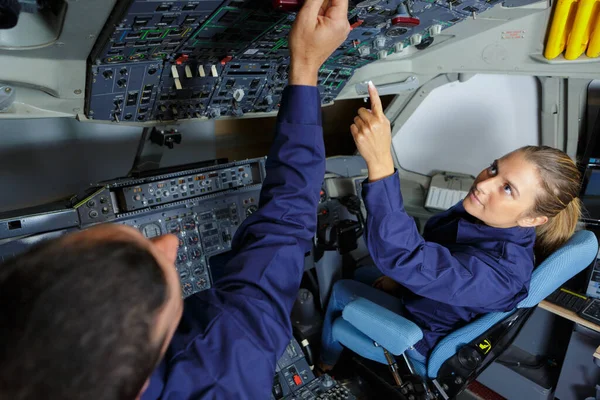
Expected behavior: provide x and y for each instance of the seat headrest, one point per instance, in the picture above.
(560, 266)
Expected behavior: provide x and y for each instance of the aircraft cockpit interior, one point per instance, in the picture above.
(159, 115)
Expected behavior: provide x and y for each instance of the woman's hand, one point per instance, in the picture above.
(386, 284)
(372, 134)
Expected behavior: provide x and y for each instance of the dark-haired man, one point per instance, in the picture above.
(98, 314)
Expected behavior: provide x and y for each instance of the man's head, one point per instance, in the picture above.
(88, 315)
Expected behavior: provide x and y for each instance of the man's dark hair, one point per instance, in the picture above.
(76, 321)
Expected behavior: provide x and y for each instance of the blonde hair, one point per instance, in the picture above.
(561, 181)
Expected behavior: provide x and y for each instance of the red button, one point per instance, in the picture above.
(356, 24)
(405, 21)
(297, 380)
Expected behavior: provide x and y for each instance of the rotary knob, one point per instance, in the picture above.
(238, 94)
(380, 42)
(364, 51)
(416, 39)
(435, 30)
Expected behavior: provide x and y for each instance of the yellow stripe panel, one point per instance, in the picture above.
(575, 27)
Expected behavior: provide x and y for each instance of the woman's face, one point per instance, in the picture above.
(504, 194)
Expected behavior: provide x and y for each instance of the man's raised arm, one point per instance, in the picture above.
(231, 335)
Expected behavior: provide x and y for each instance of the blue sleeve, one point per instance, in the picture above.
(463, 276)
(232, 335)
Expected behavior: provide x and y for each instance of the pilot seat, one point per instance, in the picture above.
(371, 331)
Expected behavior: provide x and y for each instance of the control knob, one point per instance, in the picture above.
(380, 42)
(214, 112)
(238, 94)
(364, 51)
(435, 30)
(416, 39)
(327, 381)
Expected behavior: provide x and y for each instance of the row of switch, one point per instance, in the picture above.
(189, 73)
(380, 43)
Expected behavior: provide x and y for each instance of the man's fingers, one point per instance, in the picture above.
(311, 9)
(354, 130)
(375, 100)
(324, 7)
(338, 9)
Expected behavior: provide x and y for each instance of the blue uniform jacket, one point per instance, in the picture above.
(458, 269)
(231, 336)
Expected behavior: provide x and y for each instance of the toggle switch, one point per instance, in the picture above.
(178, 85)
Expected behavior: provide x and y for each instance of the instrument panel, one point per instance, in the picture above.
(204, 229)
(176, 60)
(204, 208)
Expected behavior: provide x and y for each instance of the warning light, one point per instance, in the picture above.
(182, 59)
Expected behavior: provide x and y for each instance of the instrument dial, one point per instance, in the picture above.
(151, 230)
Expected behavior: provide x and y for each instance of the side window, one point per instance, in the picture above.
(463, 126)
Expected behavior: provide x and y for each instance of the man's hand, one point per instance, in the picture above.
(372, 134)
(321, 26)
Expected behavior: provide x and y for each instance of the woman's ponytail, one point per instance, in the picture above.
(558, 229)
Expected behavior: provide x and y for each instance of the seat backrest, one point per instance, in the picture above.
(562, 265)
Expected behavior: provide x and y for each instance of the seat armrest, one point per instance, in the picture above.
(392, 331)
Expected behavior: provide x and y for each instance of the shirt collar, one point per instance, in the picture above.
(472, 230)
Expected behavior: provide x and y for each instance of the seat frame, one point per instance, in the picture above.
(457, 372)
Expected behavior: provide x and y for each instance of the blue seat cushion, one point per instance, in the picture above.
(390, 330)
(352, 338)
(361, 344)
